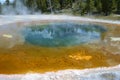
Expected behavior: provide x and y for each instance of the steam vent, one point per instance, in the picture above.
(62, 34)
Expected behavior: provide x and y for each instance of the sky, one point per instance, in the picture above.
(2, 1)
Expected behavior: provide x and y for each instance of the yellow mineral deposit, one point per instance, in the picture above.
(80, 57)
(7, 35)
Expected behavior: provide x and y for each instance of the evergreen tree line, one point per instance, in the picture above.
(82, 7)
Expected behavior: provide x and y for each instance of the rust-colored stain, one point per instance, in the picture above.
(22, 59)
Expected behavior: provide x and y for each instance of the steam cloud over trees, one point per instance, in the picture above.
(82, 7)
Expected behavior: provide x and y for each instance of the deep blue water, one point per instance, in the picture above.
(62, 34)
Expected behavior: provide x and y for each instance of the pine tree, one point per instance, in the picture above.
(106, 7)
(68, 3)
(78, 6)
(90, 6)
(14, 3)
(118, 6)
(7, 2)
(29, 3)
(113, 6)
(61, 3)
(109, 6)
(82, 7)
(0, 8)
(50, 5)
(55, 5)
(42, 5)
(98, 6)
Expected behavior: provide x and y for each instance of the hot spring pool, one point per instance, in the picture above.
(62, 34)
(40, 46)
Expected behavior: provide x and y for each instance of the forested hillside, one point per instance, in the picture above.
(82, 7)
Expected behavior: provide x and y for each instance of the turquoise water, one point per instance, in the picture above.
(62, 34)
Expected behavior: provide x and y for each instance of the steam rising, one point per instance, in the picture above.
(10, 36)
(19, 9)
